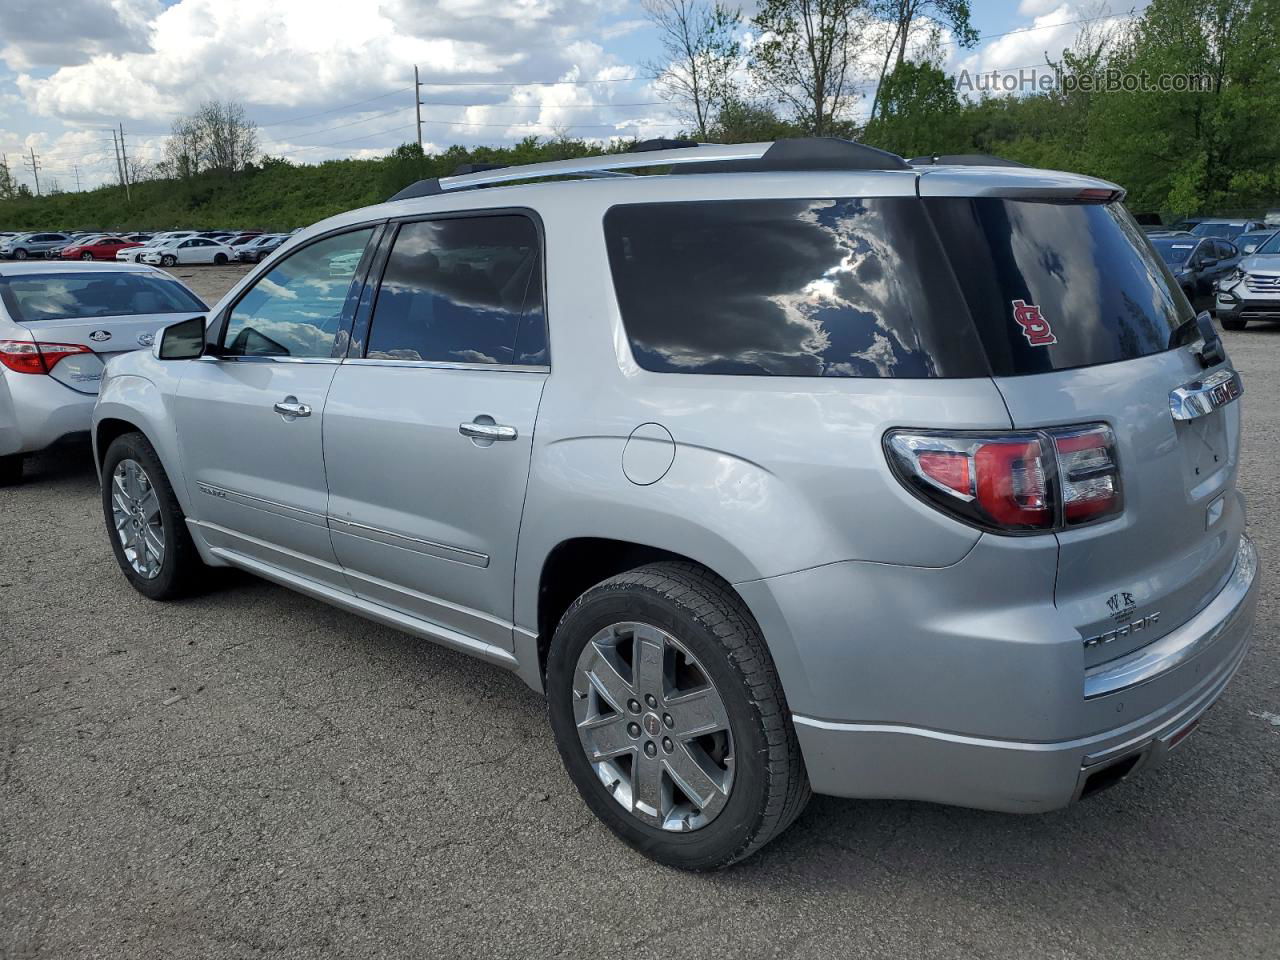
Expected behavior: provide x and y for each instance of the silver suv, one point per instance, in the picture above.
(816, 471)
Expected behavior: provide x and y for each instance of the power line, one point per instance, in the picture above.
(549, 106)
(529, 83)
(1043, 26)
(321, 113)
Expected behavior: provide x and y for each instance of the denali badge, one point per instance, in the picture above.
(1133, 626)
(100, 335)
(1034, 326)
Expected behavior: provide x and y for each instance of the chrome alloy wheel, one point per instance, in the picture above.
(654, 727)
(135, 510)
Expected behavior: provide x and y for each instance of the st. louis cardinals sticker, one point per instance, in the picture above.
(1034, 326)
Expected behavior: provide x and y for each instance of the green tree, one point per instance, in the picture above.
(902, 14)
(805, 56)
(1216, 148)
(919, 110)
(742, 121)
(700, 55)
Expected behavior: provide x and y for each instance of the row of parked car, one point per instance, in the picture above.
(169, 248)
(1230, 267)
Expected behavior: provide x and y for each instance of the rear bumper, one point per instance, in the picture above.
(38, 411)
(1153, 697)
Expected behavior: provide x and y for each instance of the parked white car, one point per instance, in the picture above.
(134, 254)
(190, 250)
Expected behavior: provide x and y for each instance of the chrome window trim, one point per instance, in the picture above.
(448, 365)
(253, 359)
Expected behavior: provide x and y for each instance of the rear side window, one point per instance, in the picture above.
(807, 288)
(462, 290)
(1052, 286)
(32, 298)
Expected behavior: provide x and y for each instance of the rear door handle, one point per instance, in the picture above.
(291, 409)
(478, 429)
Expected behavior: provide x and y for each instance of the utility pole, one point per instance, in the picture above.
(34, 166)
(124, 166)
(119, 169)
(76, 168)
(417, 103)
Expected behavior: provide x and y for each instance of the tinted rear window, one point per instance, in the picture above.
(835, 288)
(1052, 286)
(32, 298)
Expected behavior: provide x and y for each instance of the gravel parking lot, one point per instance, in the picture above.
(251, 773)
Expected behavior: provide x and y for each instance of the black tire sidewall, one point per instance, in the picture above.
(716, 843)
(166, 584)
(11, 469)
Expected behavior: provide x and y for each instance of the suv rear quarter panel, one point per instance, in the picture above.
(770, 475)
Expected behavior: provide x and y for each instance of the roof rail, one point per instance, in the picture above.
(800, 154)
(963, 160)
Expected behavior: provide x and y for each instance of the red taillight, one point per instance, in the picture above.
(1012, 482)
(24, 356)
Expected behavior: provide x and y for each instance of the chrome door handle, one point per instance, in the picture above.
(291, 409)
(479, 430)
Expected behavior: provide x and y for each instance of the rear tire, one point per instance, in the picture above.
(220, 259)
(1233, 324)
(173, 573)
(10, 469)
(708, 645)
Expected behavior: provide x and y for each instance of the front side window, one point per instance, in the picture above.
(297, 309)
(807, 288)
(462, 290)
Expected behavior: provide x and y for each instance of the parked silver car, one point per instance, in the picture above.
(59, 324)
(1252, 290)
(25, 246)
(816, 472)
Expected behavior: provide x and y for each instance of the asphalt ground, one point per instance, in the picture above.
(251, 773)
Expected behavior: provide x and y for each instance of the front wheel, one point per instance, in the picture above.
(145, 522)
(19, 254)
(670, 717)
(169, 260)
(1233, 324)
(86, 256)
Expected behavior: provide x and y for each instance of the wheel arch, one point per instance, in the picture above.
(569, 569)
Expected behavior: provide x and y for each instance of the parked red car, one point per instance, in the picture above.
(96, 248)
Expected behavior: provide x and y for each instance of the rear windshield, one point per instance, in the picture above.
(32, 298)
(1217, 229)
(889, 287)
(1051, 286)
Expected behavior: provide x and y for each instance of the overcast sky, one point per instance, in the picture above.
(332, 78)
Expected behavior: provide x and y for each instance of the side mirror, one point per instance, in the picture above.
(1209, 261)
(183, 340)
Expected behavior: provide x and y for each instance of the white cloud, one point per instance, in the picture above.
(73, 31)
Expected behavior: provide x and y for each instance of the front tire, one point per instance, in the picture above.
(19, 254)
(168, 260)
(670, 717)
(86, 256)
(145, 522)
(1233, 324)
